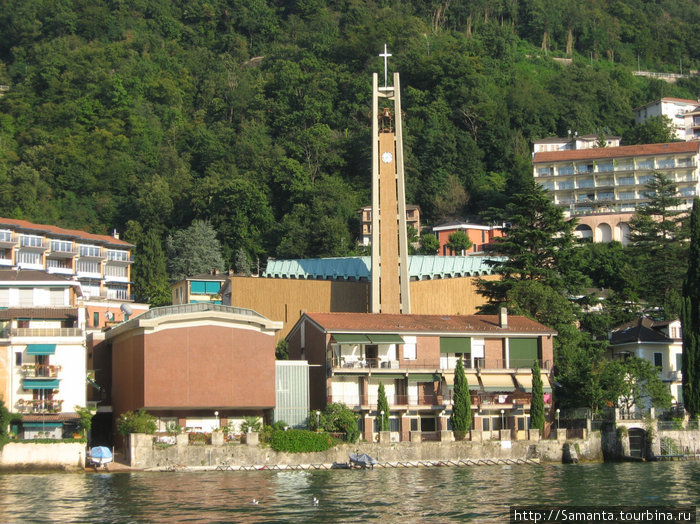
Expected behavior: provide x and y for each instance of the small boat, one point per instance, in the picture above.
(100, 456)
(362, 460)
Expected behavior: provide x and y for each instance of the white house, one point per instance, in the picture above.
(674, 109)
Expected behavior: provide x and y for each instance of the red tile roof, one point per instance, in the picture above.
(54, 230)
(378, 323)
(43, 313)
(617, 152)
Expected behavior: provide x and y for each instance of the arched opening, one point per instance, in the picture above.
(583, 232)
(604, 233)
(624, 233)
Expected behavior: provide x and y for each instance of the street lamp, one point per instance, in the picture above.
(216, 414)
(503, 419)
(558, 418)
(381, 420)
(318, 420)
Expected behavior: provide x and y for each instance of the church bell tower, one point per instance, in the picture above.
(390, 289)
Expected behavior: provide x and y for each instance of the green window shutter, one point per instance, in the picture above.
(198, 287)
(212, 287)
(679, 361)
(523, 352)
(455, 344)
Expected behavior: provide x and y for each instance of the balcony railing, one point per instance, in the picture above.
(40, 371)
(39, 406)
(45, 332)
(479, 401)
(479, 363)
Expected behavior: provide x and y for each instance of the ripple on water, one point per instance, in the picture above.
(445, 494)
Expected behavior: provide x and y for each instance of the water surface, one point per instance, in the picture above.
(436, 494)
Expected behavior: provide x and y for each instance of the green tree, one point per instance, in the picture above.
(193, 251)
(459, 243)
(537, 246)
(461, 417)
(537, 405)
(659, 240)
(642, 386)
(242, 262)
(382, 409)
(337, 417)
(282, 350)
(85, 419)
(655, 130)
(429, 244)
(690, 319)
(139, 422)
(149, 274)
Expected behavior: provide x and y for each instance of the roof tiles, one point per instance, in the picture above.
(617, 152)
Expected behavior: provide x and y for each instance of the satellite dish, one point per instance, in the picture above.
(109, 316)
(126, 309)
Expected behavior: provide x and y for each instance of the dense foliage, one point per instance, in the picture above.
(537, 404)
(254, 115)
(301, 441)
(690, 319)
(336, 418)
(382, 409)
(139, 422)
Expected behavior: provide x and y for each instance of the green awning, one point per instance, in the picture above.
(455, 344)
(41, 349)
(424, 377)
(523, 352)
(38, 383)
(387, 375)
(350, 338)
(92, 382)
(385, 339)
(27, 425)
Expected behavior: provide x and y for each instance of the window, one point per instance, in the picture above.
(409, 348)
(625, 181)
(664, 163)
(26, 297)
(565, 170)
(414, 424)
(5, 235)
(117, 254)
(679, 361)
(626, 195)
(544, 171)
(428, 424)
(18, 358)
(485, 424)
(29, 258)
(605, 167)
(31, 241)
(57, 297)
(58, 263)
(89, 251)
(115, 271)
(95, 319)
(645, 164)
(606, 195)
(586, 182)
(566, 185)
(63, 246)
(658, 360)
(88, 266)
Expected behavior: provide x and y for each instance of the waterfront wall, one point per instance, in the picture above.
(62, 456)
(143, 454)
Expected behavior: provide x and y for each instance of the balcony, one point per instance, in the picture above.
(369, 402)
(40, 371)
(33, 244)
(8, 240)
(39, 406)
(347, 363)
(45, 332)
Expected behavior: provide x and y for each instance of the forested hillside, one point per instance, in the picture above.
(142, 115)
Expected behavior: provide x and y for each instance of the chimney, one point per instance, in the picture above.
(503, 318)
(115, 234)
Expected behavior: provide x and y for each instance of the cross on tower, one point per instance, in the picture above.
(385, 55)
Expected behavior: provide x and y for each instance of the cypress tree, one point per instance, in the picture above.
(462, 406)
(382, 406)
(537, 403)
(690, 319)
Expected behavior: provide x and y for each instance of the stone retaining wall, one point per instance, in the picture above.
(144, 455)
(27, 455)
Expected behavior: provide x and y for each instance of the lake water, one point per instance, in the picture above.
(435, 494)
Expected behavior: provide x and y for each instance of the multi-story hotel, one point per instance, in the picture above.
(101, 263)
(602, 187)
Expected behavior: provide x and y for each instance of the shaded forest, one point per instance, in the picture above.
(144, 115)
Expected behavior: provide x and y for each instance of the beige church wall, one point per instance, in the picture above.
(446, 296)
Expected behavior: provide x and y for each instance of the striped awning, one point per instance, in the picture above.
(38, 383)
(525, 383)
(497, 383)
(472, 379)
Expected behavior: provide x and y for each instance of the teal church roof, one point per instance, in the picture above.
(420, 267)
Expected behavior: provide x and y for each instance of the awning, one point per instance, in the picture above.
(41, 349)
(455, 344)
(525, 383)
(350, 338)
(497, 383)
(471, 380)
(27, 425)
(385, 339)
(424, 377)
(379, 376)
(38, 383)
(92, 382)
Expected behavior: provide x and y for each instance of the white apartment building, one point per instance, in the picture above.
(101, 263)
(675, 109)
(574, 141)
(602, 187)
(43, 365)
